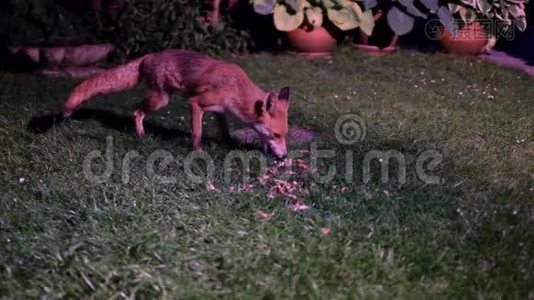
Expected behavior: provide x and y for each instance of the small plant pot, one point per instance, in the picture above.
(383, 41)
(65, 56)
(471, 39)
(75, 56)
(31, 53)
(312, 41)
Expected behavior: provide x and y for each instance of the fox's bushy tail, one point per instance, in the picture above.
(120, 78)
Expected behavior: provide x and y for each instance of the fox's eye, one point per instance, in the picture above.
(277, 135)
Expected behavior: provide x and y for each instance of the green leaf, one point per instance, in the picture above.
(483, 5)
(294, 4)
(304, 4)
(516, 11)
(446, 19)
(344, 19)
(521, 23)
(357, 10)
(411, 9)
(367, 22)
(470, 3)
(431, 5)
(454, 8)
(471, 16)
(284, 21)
(368, 4)
(400, 22)
(314, 15)
(328, 3)
(264, 7)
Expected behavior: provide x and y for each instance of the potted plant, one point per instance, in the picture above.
(395, 18)
(482, 22)
(52, 34)
(309, 23)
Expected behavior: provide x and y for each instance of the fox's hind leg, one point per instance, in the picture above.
(154, 101)
(196, 124)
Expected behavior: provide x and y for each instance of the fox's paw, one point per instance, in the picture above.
(197, 147)
(140, 134)
(66, 114)
(199, 152)
(62, 117)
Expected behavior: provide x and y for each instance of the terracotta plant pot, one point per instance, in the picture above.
(312, 42)
(469, 40)
(383, 40)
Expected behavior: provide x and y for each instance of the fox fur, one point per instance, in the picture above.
(210, 85)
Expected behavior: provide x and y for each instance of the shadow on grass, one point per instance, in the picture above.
(42, 124)
(122, 123)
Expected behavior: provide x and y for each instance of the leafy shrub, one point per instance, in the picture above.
(149, 25)
(142, 26)
(506, 13)
(44, 22)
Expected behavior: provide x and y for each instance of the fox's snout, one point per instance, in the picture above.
(279, 149)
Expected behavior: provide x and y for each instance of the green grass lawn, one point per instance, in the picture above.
(471, 236)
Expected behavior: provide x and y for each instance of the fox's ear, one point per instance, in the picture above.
(284, 94)
(267, 104)
(270, 102)
(258, 107)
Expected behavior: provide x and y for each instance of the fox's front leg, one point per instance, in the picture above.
(196, 125)
(139, 116)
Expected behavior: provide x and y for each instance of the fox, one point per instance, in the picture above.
(208, 84)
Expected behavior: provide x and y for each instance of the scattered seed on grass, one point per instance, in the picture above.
(263, 215)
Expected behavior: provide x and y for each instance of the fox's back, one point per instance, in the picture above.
(191, 72)
(177, 69)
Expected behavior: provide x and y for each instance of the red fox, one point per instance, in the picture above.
(210, 85)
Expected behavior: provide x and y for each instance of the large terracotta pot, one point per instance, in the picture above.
(383, 40)
(469, 40)
(312, 41)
